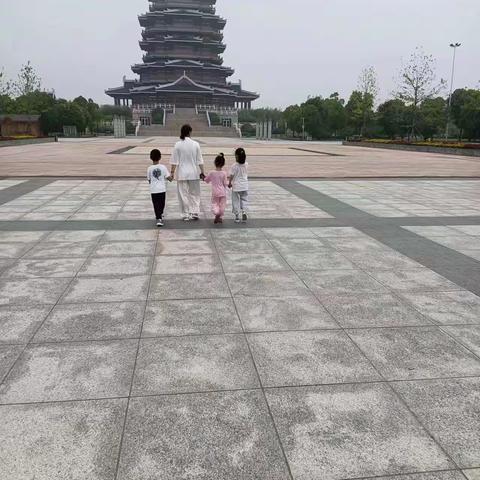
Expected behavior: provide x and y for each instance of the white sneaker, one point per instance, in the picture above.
(237, 218)
(160, 222)
(187, 218)
(244, 217)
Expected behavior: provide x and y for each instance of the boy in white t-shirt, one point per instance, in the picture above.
(238, 182)
(157, 175)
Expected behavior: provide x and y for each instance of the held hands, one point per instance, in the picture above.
(170, 178)
(230, 185)
(202, 177)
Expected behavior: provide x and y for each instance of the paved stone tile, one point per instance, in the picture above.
(448, 308)
(99, 266)
(468, 335)
(130, 235)
(351, 431)
(471, 253)
(18, 323)
(192, 364)
(96, 321)
(330, 282)
(185, 247)
(8, 356)
(468, 229)
(113, 249)
(323, 260)
(282, 313)
(253, 262)
(190, 317)
(222, 436)
(372, 310)
(45, 267)
(14, 250)
(107, 289)
(32, 291)
(186, 264)
(473, 474)
(5, 263)
(414, 280)
(382, 260)
(450, 411)
(70, 371)
(266, 284)
(295, 245)
(238, 234)
(75, 236)
(282, 233)
(21, 237)
(309, 358)
(415, 352)
(61, 250)
(184, 235)
(433, 231)
(357, 244)
(335, 232)
(176, 287)
(451, 475)
(56, 441)
(243, 245)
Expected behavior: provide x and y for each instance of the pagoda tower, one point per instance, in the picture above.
(182, 64)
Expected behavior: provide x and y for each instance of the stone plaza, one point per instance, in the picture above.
(334, 336)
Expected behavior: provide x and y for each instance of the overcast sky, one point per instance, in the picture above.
(285, 50)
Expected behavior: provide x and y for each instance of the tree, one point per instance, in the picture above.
(392, 117)
(355, 111)
(368, 87)
(417, 82)
(466, 112)
(62, 114)
(35, 102)
(293, 116)
(27, 81)
(5, 84)
(431, 117)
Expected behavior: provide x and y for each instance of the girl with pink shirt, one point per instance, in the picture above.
(219, 181)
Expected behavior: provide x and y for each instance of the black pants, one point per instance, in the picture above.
(158, 200)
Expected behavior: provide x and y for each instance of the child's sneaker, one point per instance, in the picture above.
(160, 222)
(237, 218)
(244, 217)
(217, 219)
(187, 218)
(195, 216)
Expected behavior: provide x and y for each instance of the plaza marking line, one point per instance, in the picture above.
(316, 151)
(454, 266)
(16, 191)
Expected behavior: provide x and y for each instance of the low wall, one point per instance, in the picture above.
(27, 141)
(417, 148)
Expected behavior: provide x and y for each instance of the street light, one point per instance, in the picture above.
(449, 109)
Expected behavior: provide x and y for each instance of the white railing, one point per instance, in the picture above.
(216, 109)
(146, 109)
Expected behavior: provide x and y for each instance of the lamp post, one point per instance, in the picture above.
(449, 108)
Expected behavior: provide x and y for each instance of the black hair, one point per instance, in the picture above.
(185, 132)
(240, 155)
(155, 155)
(220, 160)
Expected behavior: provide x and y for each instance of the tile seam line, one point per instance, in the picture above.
(236, 390)
(252, 359)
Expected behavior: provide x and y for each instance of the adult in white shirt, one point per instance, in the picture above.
(187, 168)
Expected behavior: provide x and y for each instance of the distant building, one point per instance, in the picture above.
(182, 65)
(17, 125)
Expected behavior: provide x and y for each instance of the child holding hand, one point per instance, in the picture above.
(218, 180)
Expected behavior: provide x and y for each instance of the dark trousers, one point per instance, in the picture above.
(158, 200)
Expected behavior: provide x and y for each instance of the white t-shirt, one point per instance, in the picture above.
(187, 156)
(157, 175)
(240, 177)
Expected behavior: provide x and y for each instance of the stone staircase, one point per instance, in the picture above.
(175, 121)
